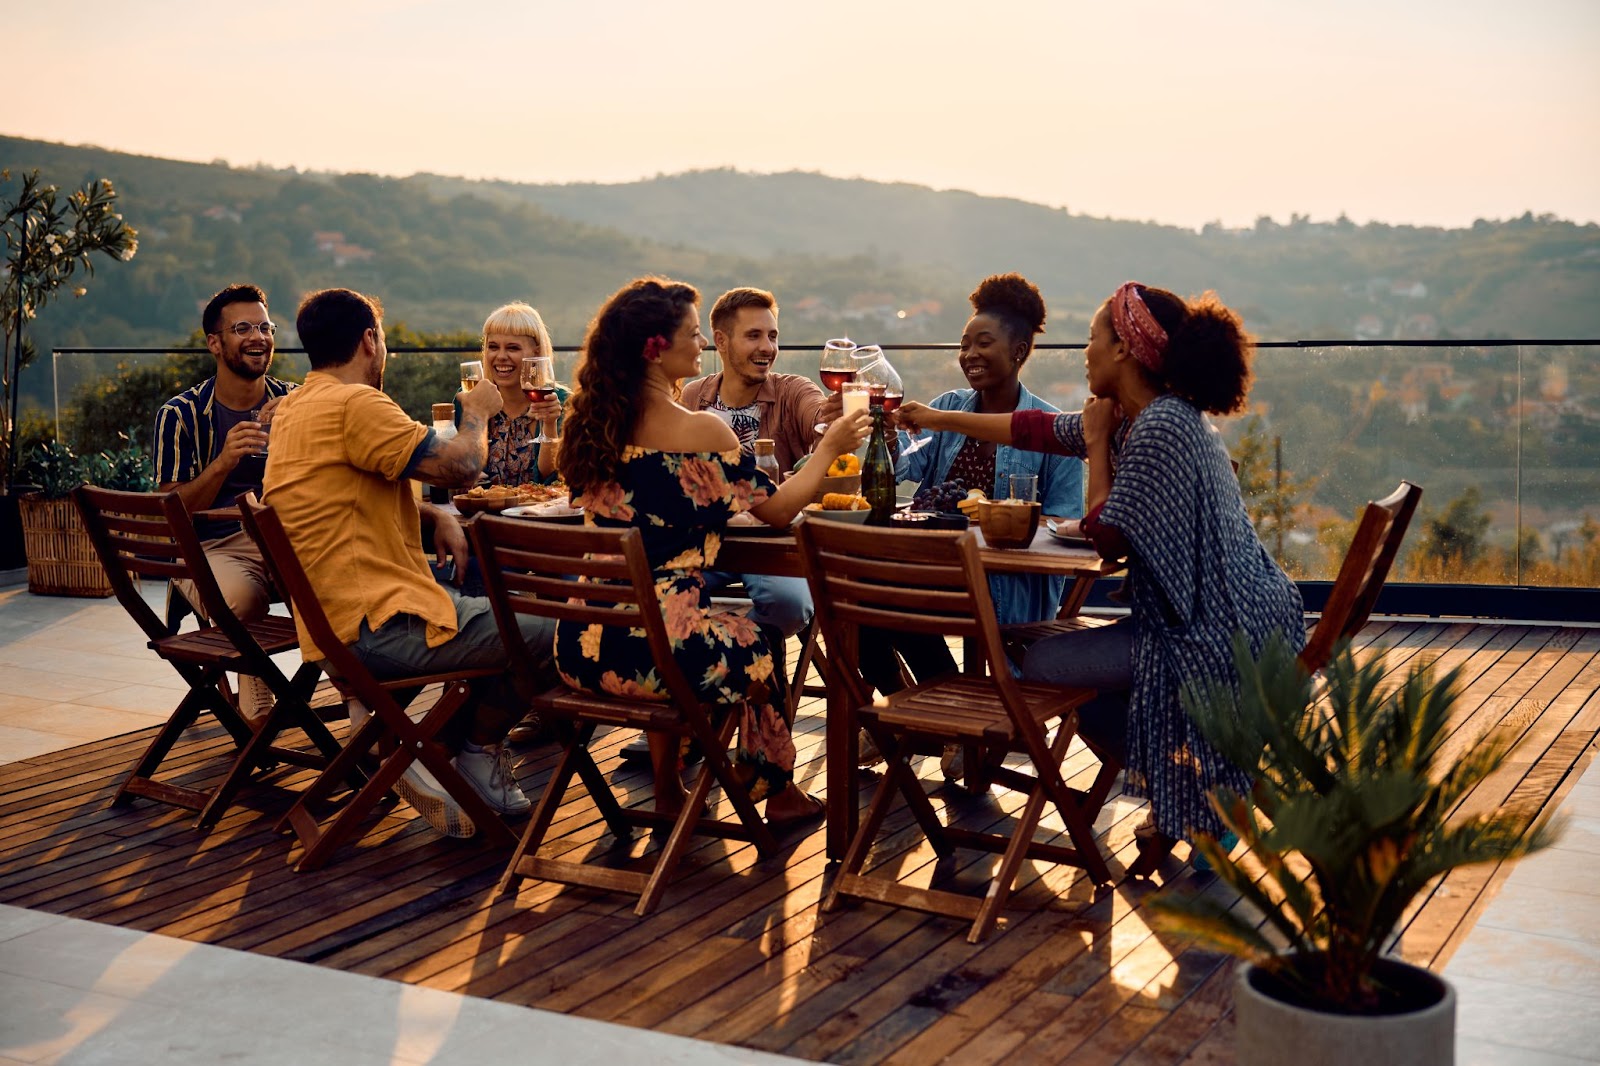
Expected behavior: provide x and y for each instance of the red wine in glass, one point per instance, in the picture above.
(889, 401)
(540, 394)
(834, 380)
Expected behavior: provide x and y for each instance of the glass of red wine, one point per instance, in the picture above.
(884, 388)
(539, 385)
(838, 366)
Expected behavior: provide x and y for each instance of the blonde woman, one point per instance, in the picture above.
(510, 334)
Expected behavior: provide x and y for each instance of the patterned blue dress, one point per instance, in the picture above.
(1197, 574)
(680, 502)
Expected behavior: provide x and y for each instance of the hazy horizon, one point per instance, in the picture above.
(1426, 113)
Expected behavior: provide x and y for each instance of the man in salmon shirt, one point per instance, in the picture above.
(339, 475)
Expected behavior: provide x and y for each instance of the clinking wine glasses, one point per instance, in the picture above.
(884, 388)
(838, 366)
(539, 385)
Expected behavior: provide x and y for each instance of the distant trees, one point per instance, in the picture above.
(1271, 494)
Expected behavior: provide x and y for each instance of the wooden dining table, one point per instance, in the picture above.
(762, 550)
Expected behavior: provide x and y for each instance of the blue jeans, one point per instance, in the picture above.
(1100, 658)
(781, 603)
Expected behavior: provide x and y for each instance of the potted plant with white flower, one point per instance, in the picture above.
(1354, 812)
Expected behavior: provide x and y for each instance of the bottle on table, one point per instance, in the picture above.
(444, 427)
(767, 457)
(877, 474)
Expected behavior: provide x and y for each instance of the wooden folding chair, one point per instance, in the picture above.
(1362, 574)
(585, 576)
(138, 535)
(400, 740)
(1355, 590)
(935, 583)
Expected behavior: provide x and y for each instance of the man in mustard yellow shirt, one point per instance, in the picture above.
(338, 474)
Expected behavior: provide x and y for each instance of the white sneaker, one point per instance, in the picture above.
(255, 699)
(488, 771)
(418, 787)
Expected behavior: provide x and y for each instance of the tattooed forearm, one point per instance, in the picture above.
(458, 461)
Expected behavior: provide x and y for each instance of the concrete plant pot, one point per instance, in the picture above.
(1271, 1031)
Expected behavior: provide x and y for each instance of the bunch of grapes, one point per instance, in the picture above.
(942, 498)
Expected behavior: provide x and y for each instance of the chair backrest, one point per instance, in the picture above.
(920, 582)
(576, 574)
(1361, 576)
(266, 528)
(150, 534)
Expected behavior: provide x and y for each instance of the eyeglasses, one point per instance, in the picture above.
(244, 329)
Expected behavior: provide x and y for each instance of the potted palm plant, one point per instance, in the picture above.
(1353, 814)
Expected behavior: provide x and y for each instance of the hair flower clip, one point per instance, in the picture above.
(654, 347)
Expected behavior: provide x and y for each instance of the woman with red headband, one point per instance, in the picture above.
(1163, 495)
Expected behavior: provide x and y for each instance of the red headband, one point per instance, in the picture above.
(1137, 327)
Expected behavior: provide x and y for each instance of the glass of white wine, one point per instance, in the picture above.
(471, 374)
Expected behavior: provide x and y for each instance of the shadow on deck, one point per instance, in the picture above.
(738, 952)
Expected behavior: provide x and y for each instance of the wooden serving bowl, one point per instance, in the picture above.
(1007, 523)
(850, 484)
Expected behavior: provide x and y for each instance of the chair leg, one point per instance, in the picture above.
(138, 782)
(544, 814)
(882, 799)
(994, 901)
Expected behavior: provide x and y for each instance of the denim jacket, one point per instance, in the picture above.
(1017, 597)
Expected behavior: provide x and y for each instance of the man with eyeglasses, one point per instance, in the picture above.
(210, 446)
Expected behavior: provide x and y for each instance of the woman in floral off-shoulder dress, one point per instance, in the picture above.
(632, 456)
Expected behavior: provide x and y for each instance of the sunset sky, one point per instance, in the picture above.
(1414, 112)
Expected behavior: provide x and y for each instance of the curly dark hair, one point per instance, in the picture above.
(211, 317)
(1014, 302)
(603, 410)
(1208, 350)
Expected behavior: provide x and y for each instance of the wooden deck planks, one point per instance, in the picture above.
(740, 952)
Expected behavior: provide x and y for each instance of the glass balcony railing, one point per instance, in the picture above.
(1503, 436)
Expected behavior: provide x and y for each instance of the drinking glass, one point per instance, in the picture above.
(471, 374)
(882, 380)
(1024, 487)
(837, 365)
(265, 422)
(538, 384)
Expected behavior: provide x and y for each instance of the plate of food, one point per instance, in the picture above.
(499, 499)
(839, 507)
(487, 498)
(1067, 532)
(557, 509)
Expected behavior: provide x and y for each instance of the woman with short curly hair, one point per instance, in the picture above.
(632, 456)
(1007, 313)
(1163, 495)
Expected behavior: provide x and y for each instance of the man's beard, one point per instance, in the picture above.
(236, 361)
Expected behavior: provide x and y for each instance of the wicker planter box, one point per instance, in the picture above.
(61, 561)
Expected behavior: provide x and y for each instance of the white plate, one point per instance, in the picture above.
(548, 509)
(1061, 535)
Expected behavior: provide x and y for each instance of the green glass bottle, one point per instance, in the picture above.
(877, 474)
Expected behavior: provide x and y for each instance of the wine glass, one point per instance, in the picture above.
(538, 385)
(884, 388)
(837, 365)
(471, 374)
